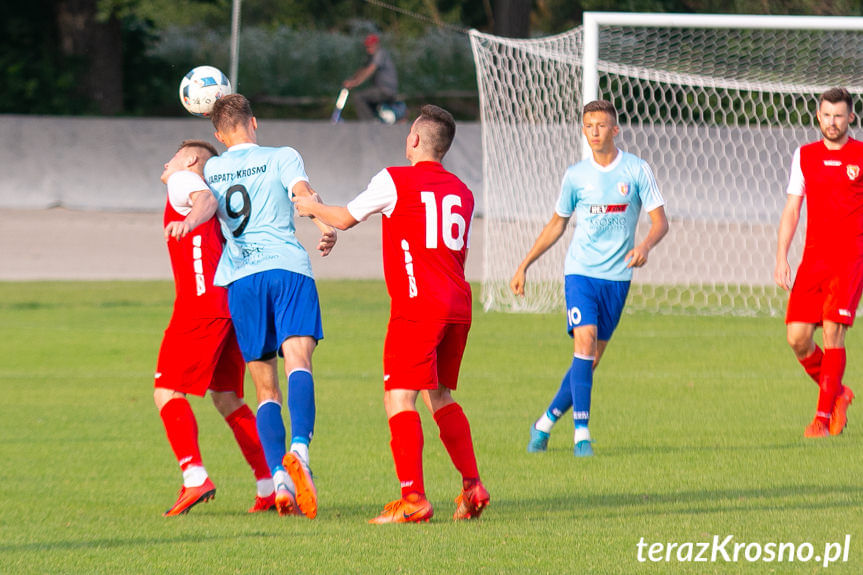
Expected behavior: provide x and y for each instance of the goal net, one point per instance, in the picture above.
(717, 112)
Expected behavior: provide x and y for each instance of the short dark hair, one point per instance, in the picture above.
(202, 144)
(836, 95)
(230, 111)
(442, 124)
(601, 106)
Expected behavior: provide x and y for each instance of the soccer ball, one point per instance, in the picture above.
(201, 87)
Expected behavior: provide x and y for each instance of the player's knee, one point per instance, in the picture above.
(161, 396)
(833, 334)
(800, 344)
(226, 402)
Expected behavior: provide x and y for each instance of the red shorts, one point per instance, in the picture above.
(423, 355)
(820, 292)
(198, 355)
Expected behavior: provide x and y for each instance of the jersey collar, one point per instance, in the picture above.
(612, 165)
(243, 146)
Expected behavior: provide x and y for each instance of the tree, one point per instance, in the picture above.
(512, 18)
(94, 39)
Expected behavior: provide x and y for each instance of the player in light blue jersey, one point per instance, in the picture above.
(272, 295)
(606, 193)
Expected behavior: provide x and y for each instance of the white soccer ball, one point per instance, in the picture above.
(201, 87)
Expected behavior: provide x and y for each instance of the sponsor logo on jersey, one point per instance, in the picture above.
(409, 269)
(198, 266)
(243, 173)
(852, 171)
(608, 208)
(832, 163)
(623, 188)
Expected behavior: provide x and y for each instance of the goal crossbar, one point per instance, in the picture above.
(716, 104)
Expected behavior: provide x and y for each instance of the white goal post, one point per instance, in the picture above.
(715, 103)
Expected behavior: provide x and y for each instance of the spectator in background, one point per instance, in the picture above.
(384, 79)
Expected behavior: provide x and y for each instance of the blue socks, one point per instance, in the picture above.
(562, 400)
(301, 405)
(271, 426)
(271, 431)
(581, 384)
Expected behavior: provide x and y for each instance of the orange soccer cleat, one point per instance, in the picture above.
(414, 508)
(301, 475)
(839, 417)
(264, 503)
(286, 503)
(191, 496)
(816, 429)
(471, 502)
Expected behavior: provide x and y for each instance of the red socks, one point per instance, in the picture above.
(407, 446)
(812, 364)
(182, 430)
(456, 437)
(242, 423)
(832, 370)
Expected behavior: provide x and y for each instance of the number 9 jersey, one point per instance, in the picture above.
(426, 233)
(252, 185)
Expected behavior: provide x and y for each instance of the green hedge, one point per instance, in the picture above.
(298, 73)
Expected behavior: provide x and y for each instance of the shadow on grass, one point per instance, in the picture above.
(110, 543)
(702, 501)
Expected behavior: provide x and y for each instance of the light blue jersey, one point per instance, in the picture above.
(252, 185)
(606, 201)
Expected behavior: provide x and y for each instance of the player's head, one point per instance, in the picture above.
(191, 155)
(232, 114)
(431, 134)
(835, 114)
(599, 125)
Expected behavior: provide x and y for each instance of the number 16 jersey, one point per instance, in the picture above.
(425, 234)
(252, 185)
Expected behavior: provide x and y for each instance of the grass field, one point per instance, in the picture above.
(698, 425)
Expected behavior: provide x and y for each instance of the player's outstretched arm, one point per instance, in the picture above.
(204, 205)
(547, 238)
(336, 216)
(787, 227)
(328, 233)
(637, 256)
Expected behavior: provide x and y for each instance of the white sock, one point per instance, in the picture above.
(302, 450)
(544, 423)
(581, 434)
(265, 487)
(281, 477)
(194, 476)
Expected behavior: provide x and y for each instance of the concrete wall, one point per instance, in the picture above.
(115, 163)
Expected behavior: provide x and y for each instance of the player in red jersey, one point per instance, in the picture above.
(829, 281)
(199, 351)
(426, 229)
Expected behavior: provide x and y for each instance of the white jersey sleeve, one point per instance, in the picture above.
(380, 196)
(651, 198)
(796, 183)
(181, 186)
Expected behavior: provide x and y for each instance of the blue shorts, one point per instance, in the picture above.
(269, 307)
(593, 301)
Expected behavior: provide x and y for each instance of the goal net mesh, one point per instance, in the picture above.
(717, 113)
